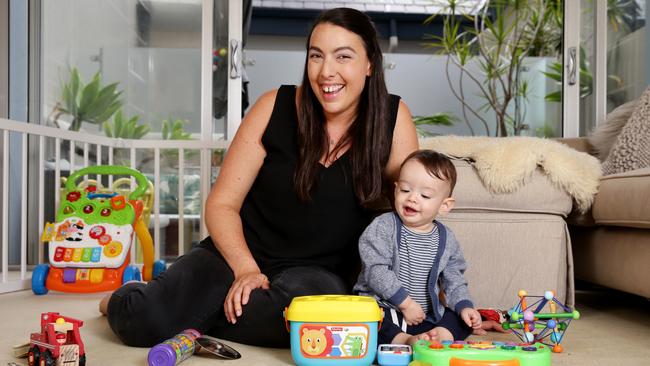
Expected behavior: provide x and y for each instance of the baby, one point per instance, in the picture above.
(408, 258)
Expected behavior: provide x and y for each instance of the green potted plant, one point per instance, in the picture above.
(489, 49)
(438, 119)
(125, 128)
(92, 103)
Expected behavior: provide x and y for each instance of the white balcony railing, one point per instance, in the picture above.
(36, 142)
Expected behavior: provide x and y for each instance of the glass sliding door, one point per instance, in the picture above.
(613, 59)
(4, 60)
(162, 67)
(627, 51)
(150, 50)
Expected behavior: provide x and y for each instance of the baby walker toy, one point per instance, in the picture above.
(89, 244)
(526, 318)
(58, 342)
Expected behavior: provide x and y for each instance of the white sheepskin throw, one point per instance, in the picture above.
(506, 163)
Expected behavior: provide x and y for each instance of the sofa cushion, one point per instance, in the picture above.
(507, 252)
(632, 148)
(623, 200)
(538, 195)
(604, 135)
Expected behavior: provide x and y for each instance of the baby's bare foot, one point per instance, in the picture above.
(433, 335)
(411, 340)
(479, 332)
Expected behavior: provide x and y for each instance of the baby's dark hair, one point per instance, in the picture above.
(437, 164)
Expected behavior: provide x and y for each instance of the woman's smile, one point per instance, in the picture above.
(330, 92)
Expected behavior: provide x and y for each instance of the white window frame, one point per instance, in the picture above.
(571, 57)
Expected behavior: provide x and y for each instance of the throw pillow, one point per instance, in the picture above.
(604, 136)
(632, 148)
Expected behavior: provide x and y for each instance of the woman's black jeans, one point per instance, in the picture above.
(190, 294)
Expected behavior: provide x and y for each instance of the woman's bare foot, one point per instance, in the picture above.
(103, 304)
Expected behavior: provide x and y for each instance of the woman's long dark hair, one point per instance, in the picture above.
(368, 135)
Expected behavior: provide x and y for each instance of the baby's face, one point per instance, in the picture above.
(420, 197)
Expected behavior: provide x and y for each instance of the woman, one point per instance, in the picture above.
(290, 201)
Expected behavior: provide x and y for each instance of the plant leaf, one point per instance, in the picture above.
(88, 95)
(107, 129)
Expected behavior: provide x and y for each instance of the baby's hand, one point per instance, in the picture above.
(471, 317)
(412, 311)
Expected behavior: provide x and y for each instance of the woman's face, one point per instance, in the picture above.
(337, 67)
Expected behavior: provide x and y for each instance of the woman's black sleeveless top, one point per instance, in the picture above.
(281, 231)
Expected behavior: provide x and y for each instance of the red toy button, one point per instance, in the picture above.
(88, 209)
(91, 189)
(104, 239)
(435, 346)
(73, 196)
(105, 212)
(58, 254)
(456, 345)
(97, 231)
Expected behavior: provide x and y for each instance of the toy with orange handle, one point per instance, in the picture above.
(90, 243)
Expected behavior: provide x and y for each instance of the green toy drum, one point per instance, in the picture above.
(461, 353)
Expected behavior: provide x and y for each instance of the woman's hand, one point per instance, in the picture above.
(240, 291)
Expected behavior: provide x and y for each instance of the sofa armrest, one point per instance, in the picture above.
(578, 143)
(623, 200)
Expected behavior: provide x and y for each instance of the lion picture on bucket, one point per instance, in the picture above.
(315, 341)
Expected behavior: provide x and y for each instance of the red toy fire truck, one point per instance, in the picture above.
(58, 343)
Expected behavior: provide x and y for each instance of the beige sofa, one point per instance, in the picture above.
(611, 244)
(512, 241)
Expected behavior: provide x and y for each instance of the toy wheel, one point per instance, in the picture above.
(131, 273)
(38, 279)
(47, 359)
(34, 356)
(82, 360)
(159, 267)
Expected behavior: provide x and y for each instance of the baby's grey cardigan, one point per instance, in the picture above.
(378, 247)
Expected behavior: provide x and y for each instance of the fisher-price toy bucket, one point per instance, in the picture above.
(333, 330)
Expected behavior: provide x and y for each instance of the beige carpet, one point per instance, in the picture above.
(614, 330)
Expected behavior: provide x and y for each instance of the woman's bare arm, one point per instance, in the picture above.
(405, 141)
(238, 172)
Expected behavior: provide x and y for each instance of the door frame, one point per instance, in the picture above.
(571, 63)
